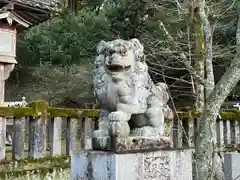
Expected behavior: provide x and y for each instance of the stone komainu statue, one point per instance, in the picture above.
(126, 92)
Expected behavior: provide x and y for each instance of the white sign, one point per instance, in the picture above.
(237, 106)
(7, 42)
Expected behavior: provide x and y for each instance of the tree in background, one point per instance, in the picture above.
(65, 39)
(189, 28)
(186, 39)
(150, 20)
(177, 37)
(197, 57)
(64, 42)
(71, 39)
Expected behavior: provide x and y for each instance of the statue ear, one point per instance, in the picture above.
(163, 90)
(137, 47)
(168, 113)
(143, 59)
(101, 47)
(164, 86)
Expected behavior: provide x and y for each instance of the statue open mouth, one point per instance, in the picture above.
(118, 68)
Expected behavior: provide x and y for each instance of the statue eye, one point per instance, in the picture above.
(110, 52)
(123, 50)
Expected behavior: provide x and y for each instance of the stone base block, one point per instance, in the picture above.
(130, 143)
(155, 165)
(232, 165)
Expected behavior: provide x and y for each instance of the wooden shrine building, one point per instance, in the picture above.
(32, 11)
(15, 16)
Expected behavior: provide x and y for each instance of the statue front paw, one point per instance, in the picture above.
(119, 129)
(119, 116)
(100, 133)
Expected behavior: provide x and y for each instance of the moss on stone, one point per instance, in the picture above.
(33, 165)
(187, 108)
(39, 160)
(226, 115)
(230, 115)
(74, 113)
(42, 171)
(40, 107)
(16, 111)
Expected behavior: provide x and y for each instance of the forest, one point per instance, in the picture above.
(55, 57)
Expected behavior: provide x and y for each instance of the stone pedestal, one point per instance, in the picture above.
(140, 165)
(232, 165)
(120, 144)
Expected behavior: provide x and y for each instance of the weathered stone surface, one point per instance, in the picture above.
(155, 165)
(120, 144)
(232, 165)
(131, 104)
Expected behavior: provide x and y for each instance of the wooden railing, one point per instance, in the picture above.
(40, 127)
(40, 130)
(184, 129)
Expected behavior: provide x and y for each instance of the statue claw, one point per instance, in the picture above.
(165, 139)
(119, 116)
(100, 133)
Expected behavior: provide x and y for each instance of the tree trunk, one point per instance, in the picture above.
(198, 63)
(205, 156)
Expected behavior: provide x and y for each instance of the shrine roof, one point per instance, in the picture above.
(33, 11)
(41, 4)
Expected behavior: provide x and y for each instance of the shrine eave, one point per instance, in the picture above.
(30, 13)
(13, 18)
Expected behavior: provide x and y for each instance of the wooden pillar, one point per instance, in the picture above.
(2, 83)
(7, 54)
(5, 70)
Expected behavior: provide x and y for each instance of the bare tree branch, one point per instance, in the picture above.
(182, 55)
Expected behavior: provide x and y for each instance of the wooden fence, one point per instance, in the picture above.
(79, 125)
(45, 130)
(227, 131)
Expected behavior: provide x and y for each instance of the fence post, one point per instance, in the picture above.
(2, 138)
(232, 132)
(237, 132)
(18, 138)
(191, 130)
(176, 133)
(227, 132)
(37, 129)
(220, 133)
(87, 130)
(55, 129)
(71, 135)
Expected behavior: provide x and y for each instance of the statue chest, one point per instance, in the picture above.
(140, 97)
(111, 97)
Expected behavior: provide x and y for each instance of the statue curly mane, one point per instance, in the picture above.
(126, 92)
(131, 54)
